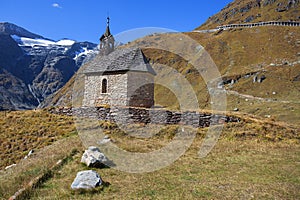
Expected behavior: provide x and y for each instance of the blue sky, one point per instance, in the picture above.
(85, 20)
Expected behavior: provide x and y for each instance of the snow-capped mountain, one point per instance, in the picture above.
(41, 65)
(12, 29)
(79, 51)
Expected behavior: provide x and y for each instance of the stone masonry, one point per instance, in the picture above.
(128, 115)
(139, 93)
(116, 90)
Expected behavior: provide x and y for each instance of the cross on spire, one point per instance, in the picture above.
(107, 22)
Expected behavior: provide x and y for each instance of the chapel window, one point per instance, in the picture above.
(104, 85)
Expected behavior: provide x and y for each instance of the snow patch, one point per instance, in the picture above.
(23, 41)
(84, 51)
(65, 42)
(34, 42)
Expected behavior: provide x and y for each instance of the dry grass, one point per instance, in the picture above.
(22, 131)
(15, 178)
(260, 14)
(253, 159)
(240, 166)
(236, 53)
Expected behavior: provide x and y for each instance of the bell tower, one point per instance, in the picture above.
(107, 41)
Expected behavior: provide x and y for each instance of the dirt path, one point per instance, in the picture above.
(247, 96)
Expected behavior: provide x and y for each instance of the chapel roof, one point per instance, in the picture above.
(120, 60)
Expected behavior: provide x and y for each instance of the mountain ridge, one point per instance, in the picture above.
(41, 66)
(245, 11)
(12, 29)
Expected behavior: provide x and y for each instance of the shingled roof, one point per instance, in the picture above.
(123, 59)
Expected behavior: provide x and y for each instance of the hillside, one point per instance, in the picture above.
(250, 11)
(240, 59)
(273, 54)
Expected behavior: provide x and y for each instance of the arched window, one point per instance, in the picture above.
(104, 85)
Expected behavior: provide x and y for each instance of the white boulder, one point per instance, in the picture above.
(88, 179)
(92, 157)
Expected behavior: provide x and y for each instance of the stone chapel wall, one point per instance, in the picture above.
(116, 90)
(123, 89)
(140, 89)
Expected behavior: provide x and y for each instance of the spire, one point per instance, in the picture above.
(107, 40)
(107, 32)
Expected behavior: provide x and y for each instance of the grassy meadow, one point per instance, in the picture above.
(253, 159)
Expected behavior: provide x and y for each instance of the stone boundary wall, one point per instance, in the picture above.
(127, 115)
(250, 25)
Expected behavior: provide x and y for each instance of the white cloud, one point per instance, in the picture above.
(56, 5)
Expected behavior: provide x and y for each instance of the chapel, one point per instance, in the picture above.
(118, 76)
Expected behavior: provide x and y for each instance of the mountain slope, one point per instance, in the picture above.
(41, 65)
(9, 52)
(261, 75)
(14, 93)
(12, 29)
(249, 11)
